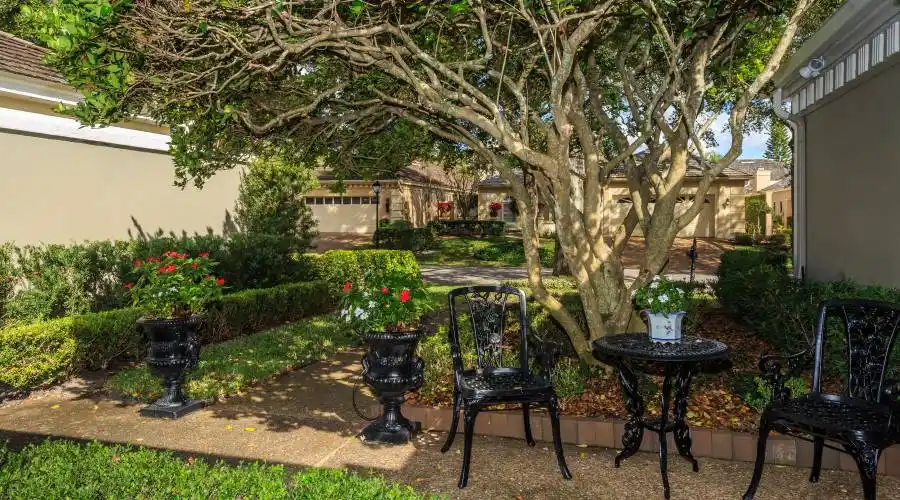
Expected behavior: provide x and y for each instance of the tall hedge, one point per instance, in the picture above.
(754, 285)
(45, 352)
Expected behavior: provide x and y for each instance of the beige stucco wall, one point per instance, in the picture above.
(415, 203)
(852, 179)
(58, 191)
(781, 204)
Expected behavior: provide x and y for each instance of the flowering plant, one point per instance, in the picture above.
(444, 207)
(391, 301)
(495, 205)
(661, 296)
(175, 285)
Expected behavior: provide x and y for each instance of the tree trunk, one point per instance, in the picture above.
(560, 266)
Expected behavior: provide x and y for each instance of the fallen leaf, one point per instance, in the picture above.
(582, 445)
(116, 458)
(54, 407)
(249, 429)
(584, 455)
(96, 407)
(229, 427)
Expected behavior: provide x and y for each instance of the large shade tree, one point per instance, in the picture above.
(555, 95)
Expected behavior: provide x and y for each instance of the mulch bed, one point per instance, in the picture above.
(714, 403)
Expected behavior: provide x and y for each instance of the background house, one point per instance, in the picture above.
(412, 195)
(846, 148)
(772, 180)
(63, 182)
(721, 217)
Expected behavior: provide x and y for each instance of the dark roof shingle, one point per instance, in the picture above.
(25, 59)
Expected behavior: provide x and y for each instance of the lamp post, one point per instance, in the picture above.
(376, 187)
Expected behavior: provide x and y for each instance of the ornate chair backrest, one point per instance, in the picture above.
(871, 329)
(487, 308)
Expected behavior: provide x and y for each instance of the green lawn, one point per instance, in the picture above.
(229, 367)
(62, 469)
(500, 251)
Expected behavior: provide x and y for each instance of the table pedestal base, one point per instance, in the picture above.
(634, 428)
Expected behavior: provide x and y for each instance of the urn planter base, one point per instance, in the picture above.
(165, 411)
(391, 369)
(391, 427)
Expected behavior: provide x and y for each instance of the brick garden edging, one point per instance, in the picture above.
(726, 445)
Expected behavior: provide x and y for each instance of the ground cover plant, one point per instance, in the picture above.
(499, 251)
(63, 469)
(230, 367)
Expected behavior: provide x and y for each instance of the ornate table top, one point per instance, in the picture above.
(638, 346)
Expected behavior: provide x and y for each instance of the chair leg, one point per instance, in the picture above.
(469, 429)
(866, 457)
(764, 428)
(818, 445)
(528, 437)
(451, 435)
(557, 439)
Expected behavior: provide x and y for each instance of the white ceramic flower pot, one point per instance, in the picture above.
(665, 327)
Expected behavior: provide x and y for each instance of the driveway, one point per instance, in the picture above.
(451, 275)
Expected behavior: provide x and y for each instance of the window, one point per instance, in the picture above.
(329, 200)
(781, 207)
(310, 200)
(320, 200)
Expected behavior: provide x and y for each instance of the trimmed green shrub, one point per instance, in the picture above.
(42, 353)
(63, 469)
(754, 286)
(463, 227)
(743, 239)
(415, 239)
(66, 280)
(339, 266)
(511, 252)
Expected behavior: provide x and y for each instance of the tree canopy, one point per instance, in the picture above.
(558, 96)
(778, 146)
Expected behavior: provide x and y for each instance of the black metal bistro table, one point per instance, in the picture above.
(678, 362)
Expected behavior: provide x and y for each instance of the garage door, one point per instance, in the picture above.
(337, 214)
(700, 227)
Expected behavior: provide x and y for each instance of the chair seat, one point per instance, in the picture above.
(834, 416)
(503, 383)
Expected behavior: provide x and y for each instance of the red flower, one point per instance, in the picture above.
(138, 262)
(167, 268)
(348, 286)
(153, 259)
(404, 295)
(384, 290)
(220, 281)
(203, 254)
(128, 285)
(195, 265)
(182, 256)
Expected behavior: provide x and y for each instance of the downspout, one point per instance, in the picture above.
(798, 184)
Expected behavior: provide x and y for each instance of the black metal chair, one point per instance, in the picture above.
(489, 382)
(863, 421)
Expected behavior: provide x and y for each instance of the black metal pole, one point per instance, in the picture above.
(377, 208)
(692, 253)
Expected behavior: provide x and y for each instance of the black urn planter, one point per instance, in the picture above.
(174, 349)
(391, 369)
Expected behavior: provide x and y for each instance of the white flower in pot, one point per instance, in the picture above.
(664, 303)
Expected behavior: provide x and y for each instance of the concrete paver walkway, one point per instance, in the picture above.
(305, 418)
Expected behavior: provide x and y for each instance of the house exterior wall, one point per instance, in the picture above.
(415, 203)
(352, 211)
(60, 191)
(488, 195)
(852, 175)
(781, 204)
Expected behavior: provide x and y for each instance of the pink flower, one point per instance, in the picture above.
(138, 262)
(384, 290)
(128, 285)
(404, 295)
